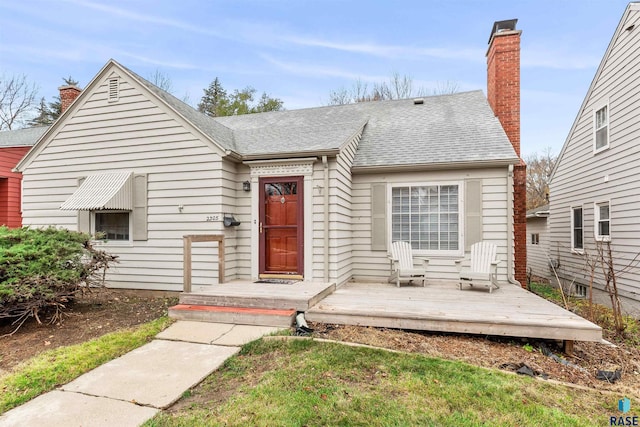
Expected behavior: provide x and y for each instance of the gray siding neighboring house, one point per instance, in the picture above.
(437, 172)
(595, 190)
(538, 243)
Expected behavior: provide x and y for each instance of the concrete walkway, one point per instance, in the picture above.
(131, 389)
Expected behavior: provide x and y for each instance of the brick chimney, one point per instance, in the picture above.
(68, 94)
(503, 93)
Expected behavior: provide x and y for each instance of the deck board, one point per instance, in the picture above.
(509, 311)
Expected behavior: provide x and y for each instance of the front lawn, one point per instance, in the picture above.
(309, 383)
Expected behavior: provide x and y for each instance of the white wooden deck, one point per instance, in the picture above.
(508, 311)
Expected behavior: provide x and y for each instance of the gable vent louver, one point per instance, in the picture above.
(114, 90)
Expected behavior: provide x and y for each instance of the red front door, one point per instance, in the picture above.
(281, 226)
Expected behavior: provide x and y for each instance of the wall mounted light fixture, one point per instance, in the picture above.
(246, 186)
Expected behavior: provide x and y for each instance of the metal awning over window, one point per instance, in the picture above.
(103, 191)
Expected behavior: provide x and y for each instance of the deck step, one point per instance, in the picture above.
(261, 302)
(235, 315)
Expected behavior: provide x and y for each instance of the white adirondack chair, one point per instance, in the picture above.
(483, 267)
(404, 266)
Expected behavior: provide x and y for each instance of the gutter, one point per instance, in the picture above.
(233, 155)
(325, 164)
(290, 155)
(510, 231)
(434, 166)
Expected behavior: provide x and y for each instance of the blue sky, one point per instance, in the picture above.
(299, 51)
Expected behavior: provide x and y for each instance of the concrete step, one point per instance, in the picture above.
(233, 315)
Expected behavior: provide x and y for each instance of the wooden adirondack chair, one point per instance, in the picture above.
(404, 266)
(483, 267)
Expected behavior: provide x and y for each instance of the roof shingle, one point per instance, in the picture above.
(22, 137)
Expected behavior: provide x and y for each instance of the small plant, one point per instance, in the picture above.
(528, 347)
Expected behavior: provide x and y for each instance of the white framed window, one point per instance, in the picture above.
(580, 290)
(601, 129)
(577, 229)
(602, 221)
(112, 226)
(535, 238)
(428, 216)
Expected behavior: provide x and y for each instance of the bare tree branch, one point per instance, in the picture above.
(446, 87)
(398, 87)
(17, 99)
(162, 80)
(539, 168)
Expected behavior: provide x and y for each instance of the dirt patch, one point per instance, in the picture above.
(505, 353)
(90, 316)
(211, 394)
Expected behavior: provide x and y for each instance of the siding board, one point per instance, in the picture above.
(582, 178)
(182, 170)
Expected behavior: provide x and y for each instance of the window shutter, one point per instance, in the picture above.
(140, 207)
(379, 217)
(84, 217)
(473, 213)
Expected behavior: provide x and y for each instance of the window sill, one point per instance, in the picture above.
(577, 251)
(602, 238)
(440, 254)
(113, 243)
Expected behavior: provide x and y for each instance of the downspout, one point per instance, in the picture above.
(325, 164)
(510, 231)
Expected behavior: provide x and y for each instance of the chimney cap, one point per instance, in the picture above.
(500, 26)
(65, 87)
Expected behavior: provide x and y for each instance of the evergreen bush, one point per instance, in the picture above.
(42, 270)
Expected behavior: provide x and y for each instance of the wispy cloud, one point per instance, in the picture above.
(161, 63)
(145, 18)
(91, 52)
(43, 54)
(557, 58)
(390, 51)
(319, 70)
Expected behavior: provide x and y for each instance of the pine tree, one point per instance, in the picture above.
(44, 117)
(214, 100)
(47, 114)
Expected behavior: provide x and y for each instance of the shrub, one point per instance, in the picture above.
(41, 270)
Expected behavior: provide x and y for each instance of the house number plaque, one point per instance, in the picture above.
(212, 218)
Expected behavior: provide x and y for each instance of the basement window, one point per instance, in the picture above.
(114, 90)
(580, 290)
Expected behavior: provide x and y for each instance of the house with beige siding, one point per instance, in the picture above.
(595, 191)
(538, 267)
(317, 194)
